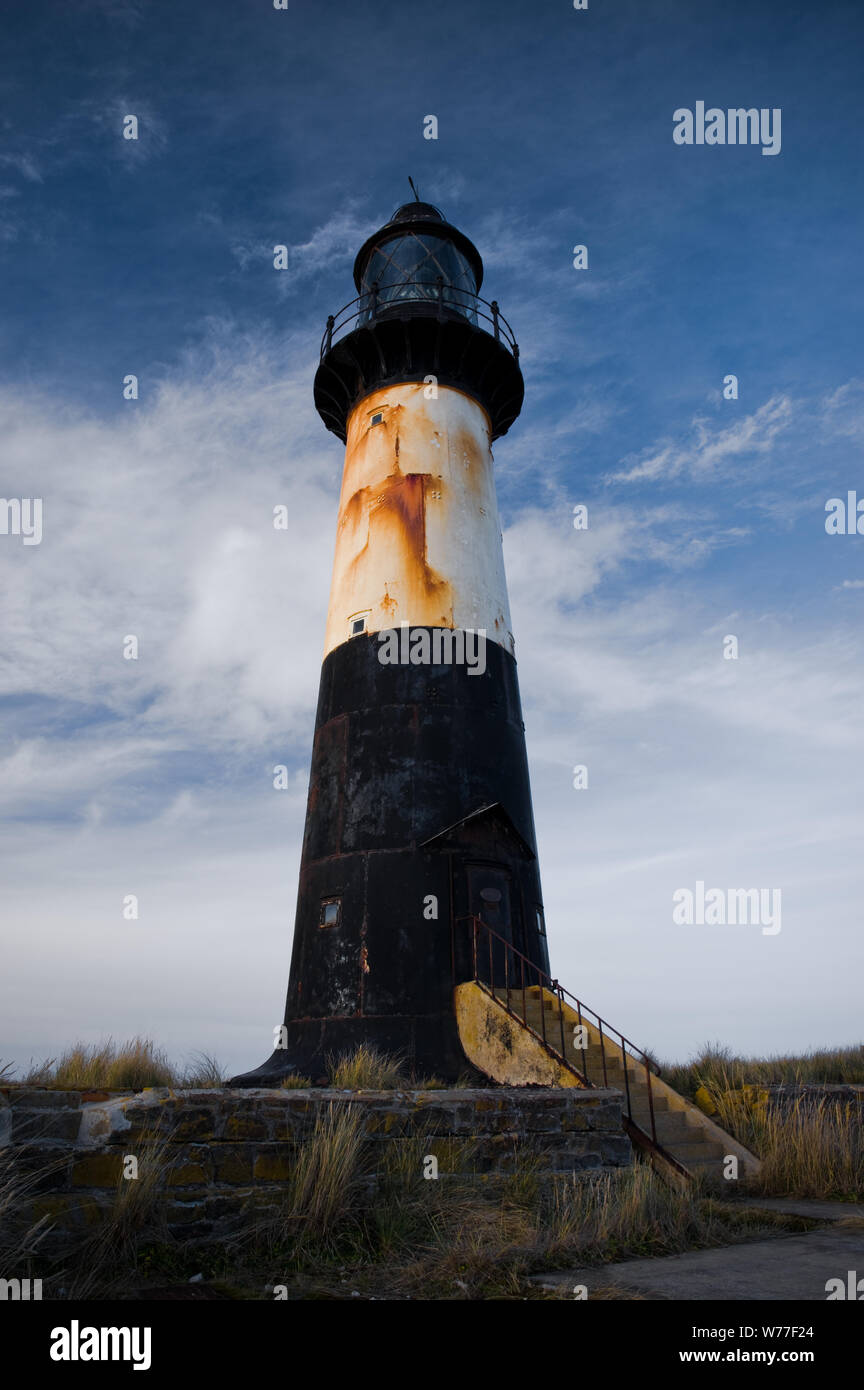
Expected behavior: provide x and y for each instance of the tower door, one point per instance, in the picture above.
(491, 898)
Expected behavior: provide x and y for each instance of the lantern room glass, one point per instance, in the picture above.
(410, 265)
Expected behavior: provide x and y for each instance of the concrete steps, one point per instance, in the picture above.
(683, 1133)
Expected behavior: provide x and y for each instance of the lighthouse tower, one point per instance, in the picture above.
(419, 816)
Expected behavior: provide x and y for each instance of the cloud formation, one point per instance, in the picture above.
(710, 452)
(156, 776)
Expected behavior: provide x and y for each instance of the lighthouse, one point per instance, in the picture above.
(419, 822)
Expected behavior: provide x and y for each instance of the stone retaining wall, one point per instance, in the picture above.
(809, 1094)
(224, 1154)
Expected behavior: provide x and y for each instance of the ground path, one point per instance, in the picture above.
(785, 1267)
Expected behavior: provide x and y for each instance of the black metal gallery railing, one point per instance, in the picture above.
(509, 977)
(390, 301)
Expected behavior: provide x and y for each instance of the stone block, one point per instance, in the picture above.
(274, 1167)
(184, 1214)
(232, 1163)
(97, 1170)
(32, 1098)
(198, 1124)
(34, 1125)
(188, 1173)
(244, 1127)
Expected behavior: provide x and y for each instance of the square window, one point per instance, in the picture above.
(376, 419)
(331, 912)
(357, 626)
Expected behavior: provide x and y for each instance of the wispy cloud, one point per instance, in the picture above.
(24, 164)
(843, 410)
(330, 246)
(159, 524)
(711, 450)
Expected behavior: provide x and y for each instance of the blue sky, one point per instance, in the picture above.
(154, 256)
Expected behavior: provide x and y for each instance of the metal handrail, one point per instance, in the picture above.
(546, 982)
(371, 304)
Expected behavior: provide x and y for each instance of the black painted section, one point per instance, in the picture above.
(404, 759)
(408, 342)
(418, 277)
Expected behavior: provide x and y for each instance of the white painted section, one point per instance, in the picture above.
(419, 537)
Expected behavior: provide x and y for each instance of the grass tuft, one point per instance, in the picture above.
(367, 1068)
(205, 1073)
(107, 1066)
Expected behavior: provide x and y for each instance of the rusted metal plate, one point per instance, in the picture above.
(418, 536)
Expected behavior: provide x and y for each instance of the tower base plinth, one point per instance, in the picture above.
(430, 1048)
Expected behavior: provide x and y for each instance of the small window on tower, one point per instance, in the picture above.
(331, 912)
(541, 924)
(358, 625)
(377, 419)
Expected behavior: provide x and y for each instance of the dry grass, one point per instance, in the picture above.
(127, 1066)
(132, 1065)
(205, 1073)
(809, 1147)
(21, 1237)
(325, 1178)
(367, 1068)
(104, 1260)
(459, 1239)
(629, 1212)
(456, 1237)
(814, 1148)
(715, 1065)
(321, 1194)
(108, 1259)
(106, 1066)
(476, 1249)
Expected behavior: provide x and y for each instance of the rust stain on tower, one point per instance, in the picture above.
(418, 537)
(391, 515)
